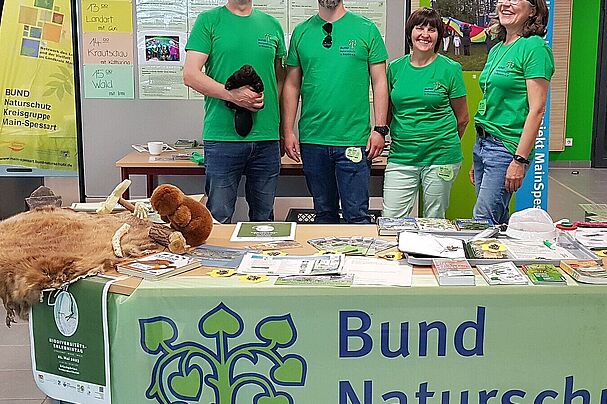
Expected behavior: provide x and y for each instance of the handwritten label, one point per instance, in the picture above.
(108, 81)
(107, 16)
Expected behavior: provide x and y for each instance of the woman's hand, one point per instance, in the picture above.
(471, 175)
(514, 176)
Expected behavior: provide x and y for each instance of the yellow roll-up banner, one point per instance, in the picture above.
(38, 114)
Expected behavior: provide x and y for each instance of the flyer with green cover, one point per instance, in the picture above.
(69, 341)
(263, 231)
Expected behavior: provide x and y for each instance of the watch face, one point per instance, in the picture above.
(66, 314)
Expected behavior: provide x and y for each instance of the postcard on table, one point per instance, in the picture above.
(264, 231)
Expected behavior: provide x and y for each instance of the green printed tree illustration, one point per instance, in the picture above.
(177, 376)
(62, 85)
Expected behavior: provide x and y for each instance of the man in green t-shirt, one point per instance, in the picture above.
(222, 41)
(332, 55)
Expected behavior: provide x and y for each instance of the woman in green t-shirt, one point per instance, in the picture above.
(515, 86)
(428, 118)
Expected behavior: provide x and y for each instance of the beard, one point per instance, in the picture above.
(330, 4)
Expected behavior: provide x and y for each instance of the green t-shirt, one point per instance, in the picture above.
(335, 85)
(503, 82)
(232, 41)
(424, 127)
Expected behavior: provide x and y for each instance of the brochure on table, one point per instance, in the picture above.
(422, 247)
(263, 231)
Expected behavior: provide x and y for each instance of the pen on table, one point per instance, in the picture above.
(548, 244)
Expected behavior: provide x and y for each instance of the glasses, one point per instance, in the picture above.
(514, 2)
(328, 41)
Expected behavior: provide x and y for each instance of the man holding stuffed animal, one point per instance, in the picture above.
(332, 55)
(240, 130)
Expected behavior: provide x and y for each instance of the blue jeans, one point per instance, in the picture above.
(332, 177)
(491, 161)
(227, 162)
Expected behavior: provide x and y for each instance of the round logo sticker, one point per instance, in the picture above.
(354, 154)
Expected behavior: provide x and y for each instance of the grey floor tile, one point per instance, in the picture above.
(18, 334)
(15, 357)
(19, 384)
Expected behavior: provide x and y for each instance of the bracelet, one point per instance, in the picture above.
(520, 159)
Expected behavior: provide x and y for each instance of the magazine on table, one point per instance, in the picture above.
(585, 271)
(453, 272)
(502, 273)
(284, 265)
(430, 245)
(263, 231)
(544, 274)
(219, 257)
(343, 280)
(157, 266)
(351, 245)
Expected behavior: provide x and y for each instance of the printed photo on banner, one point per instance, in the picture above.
(161, 48)
(469, 31)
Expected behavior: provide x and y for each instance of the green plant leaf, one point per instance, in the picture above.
(49, 91)
(67, 88)
(65, 70)
(59, 76)
(221, 319)
(291, 371)
(189, 385)
(54, 84)
(156, 332)
(60, 92)
(279, 331)
(279, 399)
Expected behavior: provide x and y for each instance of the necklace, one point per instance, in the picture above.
(482, 105)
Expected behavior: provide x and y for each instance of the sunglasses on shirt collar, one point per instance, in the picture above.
(327, 42)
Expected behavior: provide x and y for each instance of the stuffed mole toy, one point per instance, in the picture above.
(185, 214)
(245, 76)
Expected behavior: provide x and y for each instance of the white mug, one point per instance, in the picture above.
(155, 148)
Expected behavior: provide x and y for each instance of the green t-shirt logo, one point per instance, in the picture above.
(265, 42)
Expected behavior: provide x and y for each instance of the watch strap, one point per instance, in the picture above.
(520, 159)
(382, 130)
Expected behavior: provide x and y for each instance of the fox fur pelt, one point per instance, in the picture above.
(48, 247)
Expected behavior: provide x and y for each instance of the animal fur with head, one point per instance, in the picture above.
(245, 76)
(47, 247)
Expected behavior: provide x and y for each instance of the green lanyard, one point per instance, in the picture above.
(482, 105)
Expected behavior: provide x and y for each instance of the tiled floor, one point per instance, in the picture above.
(567, 188)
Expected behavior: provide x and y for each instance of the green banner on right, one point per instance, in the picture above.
(192, 342)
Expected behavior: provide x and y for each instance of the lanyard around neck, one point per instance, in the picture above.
(495, 64)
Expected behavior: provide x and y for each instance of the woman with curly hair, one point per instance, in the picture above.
(514, 83)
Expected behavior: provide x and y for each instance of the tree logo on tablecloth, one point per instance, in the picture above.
(185, 370)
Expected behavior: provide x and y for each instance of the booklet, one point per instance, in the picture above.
(157, 266)
(378, 272)
(502, 273)
(220, 257)
(544, 274)
(453, 272)
(387, 226)
(284, 265)
(343, 280)
(351, 245)
(263, 231)
(430, 245)
(585, 271)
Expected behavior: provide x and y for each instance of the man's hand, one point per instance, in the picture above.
(471, 175)
(375, 145)
(291, 146)
(245, 97)
(514, 176)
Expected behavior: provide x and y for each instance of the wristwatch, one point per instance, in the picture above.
(520, 159)
(382, 130)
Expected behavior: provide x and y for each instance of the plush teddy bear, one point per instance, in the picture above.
(245, 76)
(185, 214)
